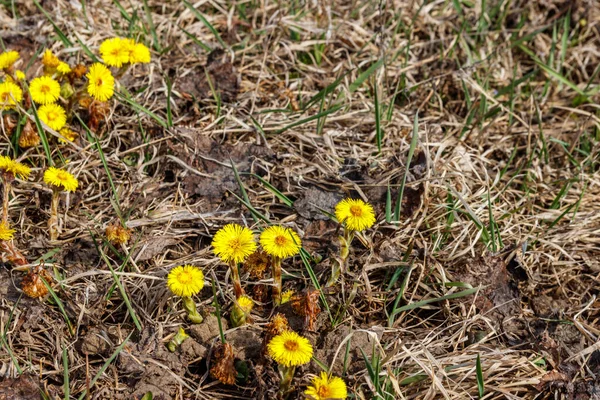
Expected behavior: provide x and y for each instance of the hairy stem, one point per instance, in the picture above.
(235, 280)
(276, 267)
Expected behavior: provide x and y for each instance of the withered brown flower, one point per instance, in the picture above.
(257, 263)
(224, 369)
(306, 304)
(32, 284)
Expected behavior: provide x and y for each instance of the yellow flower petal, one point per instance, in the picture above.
(101, 84)
(60, 178)
(185, 280)
(325, 387)
(233, 243)
(290, 349)
(53, 115)
(355, 214)
(44, 90)
(280, 241)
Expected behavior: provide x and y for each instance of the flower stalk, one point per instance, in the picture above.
(287, 376)
(190, 306)
(277, 284)
(53, 222)
(177, 340)
(238, 291)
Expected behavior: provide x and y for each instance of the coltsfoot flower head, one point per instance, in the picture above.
(29, 136)
(280, 241)
(277, 325)
(115, 52)
(69, 134)
(10, 166)
(290, 349)
(20, 75)
(32, 284)
(224, 369)
(355, 214)
(138, 53)
(185, 280)
(8, 58)
(6, 232)
(257, 263)
(60, 179)
(44, 90)
(325, 387)
(240, 314)
(49, 60)
(233, 243)
(101, 84)
(10, 95)
(117, 234)
(287, 296)
(53, 115)
(63, 68)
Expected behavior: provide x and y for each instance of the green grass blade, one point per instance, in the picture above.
(411, 152)
(195, 40)
(243, 190)
(311, 118)
(365, 75)
(480, 383)
(125, 99)
(59, 32)
(199, 15)
(422, 303)
(378, 130)
(284, 199)
(60, 305)
(65, 360)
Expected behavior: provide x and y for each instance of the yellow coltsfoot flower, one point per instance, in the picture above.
(325, 387)
(10, 166)
(138, 53)
(44, 90)
(101, 85)
(6, 232)
(8, 58)
(290, 349)
(49, 60)
(240, 314)
(60, 179)
(10, 95)
(355, 214)
(53, 115)
(280, 242)
(233, 243)
(115, 52)
(185, 280)
(63, 68)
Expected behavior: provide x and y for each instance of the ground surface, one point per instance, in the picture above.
(501, 194)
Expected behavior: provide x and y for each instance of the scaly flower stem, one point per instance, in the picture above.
(287, 375)
(338, 266)
(190, 306)
(177, 340)
(235, 280)
(276, 268)
(53, 225)
(7, 178)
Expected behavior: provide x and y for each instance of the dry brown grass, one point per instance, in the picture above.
(521, 163)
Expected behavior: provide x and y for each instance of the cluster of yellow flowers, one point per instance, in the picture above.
(62, 87)
(234, 244)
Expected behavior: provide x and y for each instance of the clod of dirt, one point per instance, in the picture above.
(318, 235)
(25, 387)
(192, 350)
(223, 75)
(207, 330)
(151, 247)
(247, 343)
(95, 342)
(547, 307)
(501, 297)
(327, 350)
(213, 161)
(313, 200)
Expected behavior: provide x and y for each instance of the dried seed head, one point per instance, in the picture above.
(307, 305)
(29, 136)
(32, 283)
(277, 325)
(79, 71)
(260, 293)
(116, 234)
(224, 369)
(257, 263)
(9, 123)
